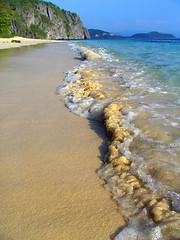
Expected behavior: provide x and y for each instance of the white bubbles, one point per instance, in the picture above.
(128, 233)
(147, 115)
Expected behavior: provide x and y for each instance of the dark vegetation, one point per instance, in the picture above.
(37, 31)
(22, 3)
(4, 19)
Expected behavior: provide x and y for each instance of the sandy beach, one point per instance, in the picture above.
(49, 156)
(20, 42)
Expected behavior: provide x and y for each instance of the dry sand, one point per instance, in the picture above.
(49, 187)
(20, 41)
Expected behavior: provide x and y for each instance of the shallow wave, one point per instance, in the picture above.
(141, 169)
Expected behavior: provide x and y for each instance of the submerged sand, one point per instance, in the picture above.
(20, 42)
(49, 156)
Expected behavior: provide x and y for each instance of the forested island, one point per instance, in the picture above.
(99, 34)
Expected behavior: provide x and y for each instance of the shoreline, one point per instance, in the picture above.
(50, 188)
(84, 95)
(15, 42)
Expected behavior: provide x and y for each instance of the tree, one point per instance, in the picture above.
(4, 19)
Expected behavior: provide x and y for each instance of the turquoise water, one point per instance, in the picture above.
(143, 77)
(159, 59)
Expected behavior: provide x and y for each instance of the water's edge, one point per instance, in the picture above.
(148, 213)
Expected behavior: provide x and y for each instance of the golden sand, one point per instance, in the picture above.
(21, 41)
(49, 187)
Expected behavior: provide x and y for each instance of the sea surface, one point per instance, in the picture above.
(133, 86)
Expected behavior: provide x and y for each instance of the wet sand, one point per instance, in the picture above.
(49, 187)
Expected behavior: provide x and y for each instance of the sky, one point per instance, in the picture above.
(126, 17)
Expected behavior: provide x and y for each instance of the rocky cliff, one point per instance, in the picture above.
(39, 19)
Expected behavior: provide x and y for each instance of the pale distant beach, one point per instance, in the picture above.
(17, 41)
(49, 156)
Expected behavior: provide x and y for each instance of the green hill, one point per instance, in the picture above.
(153, 35)
(99, 34)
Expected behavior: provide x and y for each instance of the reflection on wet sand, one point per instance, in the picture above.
(49, 188)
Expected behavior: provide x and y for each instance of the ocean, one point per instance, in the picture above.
(133, 86)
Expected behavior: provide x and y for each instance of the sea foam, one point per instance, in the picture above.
(138, 167)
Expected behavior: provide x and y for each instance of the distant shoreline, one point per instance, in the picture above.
(99, 34)
(16, 41)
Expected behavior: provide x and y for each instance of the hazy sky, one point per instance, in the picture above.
(126, 16)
